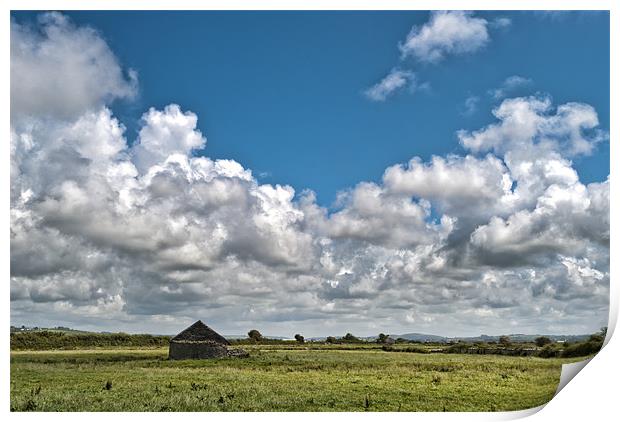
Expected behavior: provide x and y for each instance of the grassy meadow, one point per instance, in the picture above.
(276, 378)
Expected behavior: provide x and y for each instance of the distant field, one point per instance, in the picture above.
(277, 379)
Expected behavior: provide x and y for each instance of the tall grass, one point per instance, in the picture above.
(279, 380)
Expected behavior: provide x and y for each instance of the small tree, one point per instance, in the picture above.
(382, 338)
(599, 336)
(348, 337)
(255, 335)
(542, 341)
(504, 340)
(330, 339)
(299, 338)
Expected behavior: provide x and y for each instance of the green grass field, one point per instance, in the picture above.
(272, 379)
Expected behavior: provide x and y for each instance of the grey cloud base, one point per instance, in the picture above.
(151, 237)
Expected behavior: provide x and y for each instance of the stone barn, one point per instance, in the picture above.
(198, 341)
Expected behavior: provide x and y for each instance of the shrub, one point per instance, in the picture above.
(550, 350)
(583, 349)
(596, 337)
(505, 340)
(350, 338)
(414, 349)
(255, 335)
(458, 348)
(542, 341)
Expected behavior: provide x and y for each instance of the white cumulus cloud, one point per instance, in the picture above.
(510, 84)
(394, 81)
(60, 70)
(446, 33)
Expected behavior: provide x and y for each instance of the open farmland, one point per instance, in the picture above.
(279, 379)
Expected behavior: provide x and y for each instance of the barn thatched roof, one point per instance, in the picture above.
(199, 332)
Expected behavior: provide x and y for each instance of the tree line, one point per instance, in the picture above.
(543, 346)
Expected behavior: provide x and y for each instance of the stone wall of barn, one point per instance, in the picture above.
(196, 350)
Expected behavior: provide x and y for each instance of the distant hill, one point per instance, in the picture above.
(430, 338)
(65, 330)
(484, 338)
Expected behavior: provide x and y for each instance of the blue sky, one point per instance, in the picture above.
(281, 92)
(459, 163)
